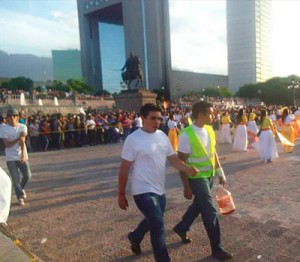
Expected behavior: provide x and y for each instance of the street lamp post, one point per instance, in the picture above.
(163, 93)
(294, 85)
(178, 89)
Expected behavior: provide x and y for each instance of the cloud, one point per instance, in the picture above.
(56, 14)
(198, 36)
(22, 33)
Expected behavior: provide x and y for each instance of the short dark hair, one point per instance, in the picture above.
(146, 108)
(200, 107)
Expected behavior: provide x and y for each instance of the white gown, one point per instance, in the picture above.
(240, 141)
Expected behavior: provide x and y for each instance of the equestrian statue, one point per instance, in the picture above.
(133, 71)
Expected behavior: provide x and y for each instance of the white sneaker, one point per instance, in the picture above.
(21, 202)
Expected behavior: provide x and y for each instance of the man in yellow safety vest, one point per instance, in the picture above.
(196, 147)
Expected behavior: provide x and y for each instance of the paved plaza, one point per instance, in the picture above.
(71, 213)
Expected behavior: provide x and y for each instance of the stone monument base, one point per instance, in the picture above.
(133, 100)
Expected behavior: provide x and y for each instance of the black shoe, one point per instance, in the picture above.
(135, 247)
(184, 238)
(222, 254)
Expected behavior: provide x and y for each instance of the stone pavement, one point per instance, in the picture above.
(71, 212)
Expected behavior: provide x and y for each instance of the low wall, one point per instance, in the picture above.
(35, 109)
(80, 101)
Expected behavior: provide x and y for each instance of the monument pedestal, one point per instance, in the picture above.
(132, 100)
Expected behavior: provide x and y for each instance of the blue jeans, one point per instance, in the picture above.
(203, 203)
(45, 143)
(13, 167)
(152, 206)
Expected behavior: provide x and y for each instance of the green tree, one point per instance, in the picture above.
(20, 82)
(248, 91)
(225, 92)
(196, 94)
(102, 93)
(217, 92)
(80, 87)
(59, 86)
(273, 91)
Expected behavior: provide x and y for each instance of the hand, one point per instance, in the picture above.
(192, 171)
(222, 181)
(187, 192)
(123, 203)
(23, 159)
(221, 175)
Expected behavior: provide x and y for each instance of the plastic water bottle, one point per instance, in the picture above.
(225, 201)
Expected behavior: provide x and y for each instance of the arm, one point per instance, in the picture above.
(10, 143)
(187, 192)
(181, 166)
(219, 170)
(123, 178)
(22, 143)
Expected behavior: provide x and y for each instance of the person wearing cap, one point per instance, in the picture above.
(14, 135)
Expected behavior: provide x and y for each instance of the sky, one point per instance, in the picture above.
(198, 30)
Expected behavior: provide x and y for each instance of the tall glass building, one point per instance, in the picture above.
(66, 65)
(248, 42)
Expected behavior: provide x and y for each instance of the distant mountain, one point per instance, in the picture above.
(33, 67)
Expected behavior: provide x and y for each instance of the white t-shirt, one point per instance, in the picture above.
(91, 124)
(297, 112)
(289, 119)
(184, 145)
(148, 152)
(138, 122)
(14, 152)
(272, 117)
(178, 117)
(172, 124)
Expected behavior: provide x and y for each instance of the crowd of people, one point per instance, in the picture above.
(259, 128)
(58, 131)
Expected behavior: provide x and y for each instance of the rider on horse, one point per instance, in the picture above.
(133, 70)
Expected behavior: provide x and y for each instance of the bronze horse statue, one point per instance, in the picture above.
(133, 71)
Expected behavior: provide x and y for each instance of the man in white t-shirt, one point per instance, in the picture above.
(91, 130)
(144, 157)
(14, 135)
(138, 123)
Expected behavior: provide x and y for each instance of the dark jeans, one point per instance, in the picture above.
(35, 141)
(152, 206)
(13, 167)
(44, 142)
(203, 203)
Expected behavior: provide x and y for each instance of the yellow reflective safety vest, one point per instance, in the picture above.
(199, 158)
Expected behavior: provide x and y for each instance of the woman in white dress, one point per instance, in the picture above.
(240, 141)
(252, 128)
(225, 129)
(266, 143)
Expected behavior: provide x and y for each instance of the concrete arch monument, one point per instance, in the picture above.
(146, 33)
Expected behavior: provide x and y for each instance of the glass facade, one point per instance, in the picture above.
(66, 65)
(249, 42)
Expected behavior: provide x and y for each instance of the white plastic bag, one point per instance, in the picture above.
(5, 195)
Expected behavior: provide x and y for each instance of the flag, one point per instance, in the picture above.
(165, 104)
